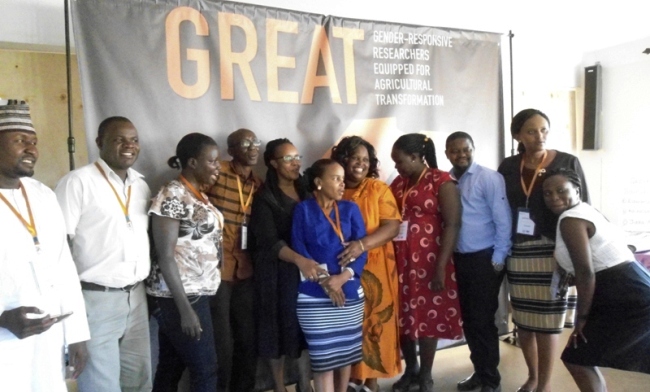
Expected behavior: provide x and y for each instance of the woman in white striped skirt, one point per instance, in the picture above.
(330, 299)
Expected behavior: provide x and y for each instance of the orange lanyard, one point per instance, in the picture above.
(337, 226)
(410, 189)
(538, 170)
(31, 227)
(199, 195)
(244, 207)
(125, 208)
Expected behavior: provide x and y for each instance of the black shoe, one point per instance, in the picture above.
(426, 384)
(487, 388)
(470, 383)
(406, 382)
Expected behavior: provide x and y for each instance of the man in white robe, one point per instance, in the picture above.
(38, 279)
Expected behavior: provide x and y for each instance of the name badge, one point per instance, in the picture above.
(525, 224)
(403, 231)
(244, 237)
(322, 266)
(131, 248)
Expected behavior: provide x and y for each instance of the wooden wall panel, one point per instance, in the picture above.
(40, 79)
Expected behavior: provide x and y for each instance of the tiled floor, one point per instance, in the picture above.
(452, 365)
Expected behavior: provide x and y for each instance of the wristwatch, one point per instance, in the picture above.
(498, 266)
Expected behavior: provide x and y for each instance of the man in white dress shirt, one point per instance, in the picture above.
(105, 208)
(38, 279)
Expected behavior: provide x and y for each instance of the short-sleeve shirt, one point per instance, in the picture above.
(198, 248)
(107, 249)
(224, 195)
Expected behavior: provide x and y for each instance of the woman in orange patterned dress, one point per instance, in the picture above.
(381, 353)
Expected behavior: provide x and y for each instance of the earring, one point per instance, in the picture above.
(412, 160)
(318, 187)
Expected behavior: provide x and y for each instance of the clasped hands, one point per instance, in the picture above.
(331, 284)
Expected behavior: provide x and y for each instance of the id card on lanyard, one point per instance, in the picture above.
(244, 236)
(124, 207)
(244, 208)
(404, 226)
(525, 223)
(403, 231)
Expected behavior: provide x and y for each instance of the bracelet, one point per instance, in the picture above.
(363, 249)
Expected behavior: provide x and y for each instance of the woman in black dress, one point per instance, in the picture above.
(276, 266)
(538, 316)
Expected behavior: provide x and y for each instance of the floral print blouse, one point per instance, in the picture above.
(198, 250)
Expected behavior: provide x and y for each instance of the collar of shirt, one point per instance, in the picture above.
(131, 175)
(250, 177)
(471, 169)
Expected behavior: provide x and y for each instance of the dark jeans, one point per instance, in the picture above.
(179, 351)
(478, 288)
(234, 335)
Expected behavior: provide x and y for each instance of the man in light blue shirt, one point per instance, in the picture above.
(481, 250)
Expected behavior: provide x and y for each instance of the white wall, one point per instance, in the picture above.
(619, 170)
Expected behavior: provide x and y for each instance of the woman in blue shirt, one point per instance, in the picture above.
(330, 304)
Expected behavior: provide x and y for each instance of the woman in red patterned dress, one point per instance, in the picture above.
(430, 205)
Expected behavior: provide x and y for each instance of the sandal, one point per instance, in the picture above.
(352, 387)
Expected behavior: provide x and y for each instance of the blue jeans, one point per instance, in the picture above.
(179, 351)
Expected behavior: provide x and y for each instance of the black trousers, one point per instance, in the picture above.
(478, 288)
(234, 336)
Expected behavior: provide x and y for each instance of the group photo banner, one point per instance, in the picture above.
(179, 66)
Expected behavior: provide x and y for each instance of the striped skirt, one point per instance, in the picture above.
(530, 270)
(333, 334)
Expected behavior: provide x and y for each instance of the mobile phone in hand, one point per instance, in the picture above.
(61, 317)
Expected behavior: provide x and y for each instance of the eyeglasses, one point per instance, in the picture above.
(246, 144)
(290, 158)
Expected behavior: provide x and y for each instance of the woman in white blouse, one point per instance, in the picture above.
(187, 233)
(612, 326)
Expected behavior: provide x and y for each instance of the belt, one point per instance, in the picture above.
(97, 287)
(474, 254)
